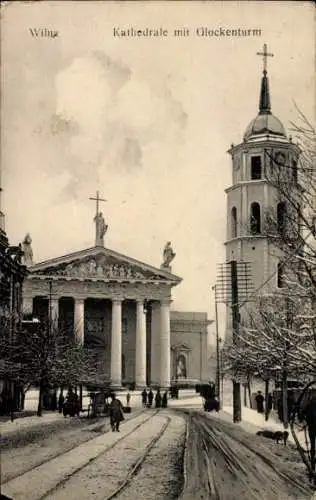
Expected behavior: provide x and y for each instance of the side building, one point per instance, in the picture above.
(12, 275)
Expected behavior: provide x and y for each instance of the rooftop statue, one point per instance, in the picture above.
(168, 255)
(27, 250)
(101, 229)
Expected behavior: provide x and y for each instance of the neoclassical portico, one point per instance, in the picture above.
(118, 304)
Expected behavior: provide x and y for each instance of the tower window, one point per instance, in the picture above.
(280, 276)
(255, 219)
(255, 167)
(281, 216)
(234, 222)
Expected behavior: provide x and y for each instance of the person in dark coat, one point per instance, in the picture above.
(116, 413)
(54, 402)
(309, 413)
(144, 398)
(158, 399)
(150, 398)
(164, 401)
(269, 403)
(260, 401)
(128, 398)
(61, 401)
(290, 403)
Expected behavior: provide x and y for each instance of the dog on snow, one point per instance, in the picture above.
(275, 435)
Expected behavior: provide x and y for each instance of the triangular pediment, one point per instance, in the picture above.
(100, 263)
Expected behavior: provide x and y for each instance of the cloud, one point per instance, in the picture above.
(106, 116)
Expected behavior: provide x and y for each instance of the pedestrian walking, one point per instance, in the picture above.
(164, 401)
(128, 398)
(150, 398)
(260, 401)
(116, 413)
(269, 403)
(144, 398)
(158, 399)
(61, 401)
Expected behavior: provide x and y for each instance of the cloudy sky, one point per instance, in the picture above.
(147, 121)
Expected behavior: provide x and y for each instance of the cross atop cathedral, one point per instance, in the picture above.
(97, 199)
(265, 55)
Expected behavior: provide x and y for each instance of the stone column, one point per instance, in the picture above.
(155, 343)
(27, 305)
(140, 361)
(165, 343)
(54, 311)
(79, 321)
(116, 343)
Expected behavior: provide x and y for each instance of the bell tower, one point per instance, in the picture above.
(265, 148)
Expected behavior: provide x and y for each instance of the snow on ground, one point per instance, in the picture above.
(37, 482)
(161, 473)
(18, 460)
(252, 421)
(101, 477)
(257, 420)
(9, 427)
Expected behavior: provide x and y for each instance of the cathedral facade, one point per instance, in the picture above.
(120, 307)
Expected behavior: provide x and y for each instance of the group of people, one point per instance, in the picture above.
(70, 405)
(161, 401)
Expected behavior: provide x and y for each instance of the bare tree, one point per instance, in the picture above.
(45, 357)
(291, 224)
(278, 343)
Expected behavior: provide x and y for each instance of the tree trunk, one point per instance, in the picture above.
(236, 402)
(80, 396)
(40, 399)
(245, 394)
(249, 391)
(266, 397)
(284, 399)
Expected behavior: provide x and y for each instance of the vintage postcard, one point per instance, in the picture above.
(157, 250)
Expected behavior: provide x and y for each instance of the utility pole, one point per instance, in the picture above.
(235, 327)
(218, 369)
(50, 315)
(234, 285)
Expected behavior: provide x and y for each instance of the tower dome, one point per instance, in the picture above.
(265, 122)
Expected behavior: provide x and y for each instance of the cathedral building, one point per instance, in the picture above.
(251, 197)
(121, 307)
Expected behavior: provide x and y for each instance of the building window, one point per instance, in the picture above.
(255, 220)
(234, 222)
(280, 276)
(281, 217)
(255, 167)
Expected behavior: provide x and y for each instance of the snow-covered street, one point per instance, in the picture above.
(153, 456)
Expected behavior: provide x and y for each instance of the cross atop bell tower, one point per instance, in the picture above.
(264, 103)
(265, 54)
